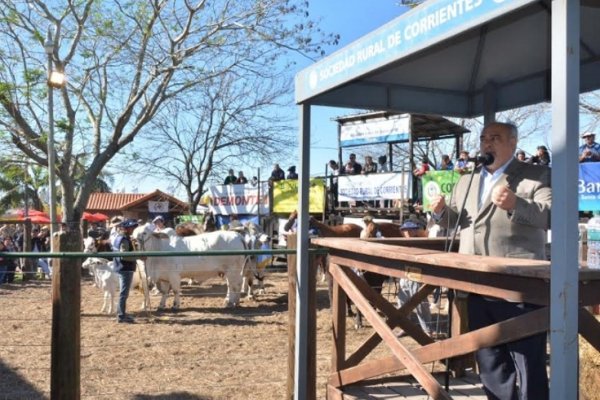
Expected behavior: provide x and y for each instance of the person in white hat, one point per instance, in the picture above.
(159, 223)
(114, 223)
(590, 150)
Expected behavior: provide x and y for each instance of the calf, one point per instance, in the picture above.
(105, 278)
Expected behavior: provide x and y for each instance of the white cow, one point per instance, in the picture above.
(99, 268)
(168, 271)
(106, 279)
(255, 239)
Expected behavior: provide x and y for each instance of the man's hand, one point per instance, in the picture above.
(438, 204)
(504, 198)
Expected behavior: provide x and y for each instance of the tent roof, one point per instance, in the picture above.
(442, 56)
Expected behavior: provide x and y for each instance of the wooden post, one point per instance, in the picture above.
(66, 323)
(312, 323)
(291, 267)
(460, 325)
(27, 265)
(312, 329)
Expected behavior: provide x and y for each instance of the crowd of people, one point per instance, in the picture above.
(277, 174)
(13, 241)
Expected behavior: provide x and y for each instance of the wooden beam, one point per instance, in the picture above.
(65, 367)
(506, 331)
(429, 383)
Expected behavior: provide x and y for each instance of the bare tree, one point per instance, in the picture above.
(232, 122)
(125, 61)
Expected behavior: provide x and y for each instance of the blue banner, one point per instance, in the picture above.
(589, 186)
(431, 22)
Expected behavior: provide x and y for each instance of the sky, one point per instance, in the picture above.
(351, 19)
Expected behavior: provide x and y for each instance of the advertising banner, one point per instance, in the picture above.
(385, 130)
(392, 185)
(238, 199)
(437, 182)
(158, 207)
(433, 22)
(589, 186)
(285, 196)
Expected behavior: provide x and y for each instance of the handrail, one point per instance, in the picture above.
(156, 253)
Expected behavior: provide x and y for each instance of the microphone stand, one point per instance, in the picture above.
(448, 249)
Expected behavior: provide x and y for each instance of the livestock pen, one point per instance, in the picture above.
(204, 351)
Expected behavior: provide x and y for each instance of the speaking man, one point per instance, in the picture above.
(506, 214)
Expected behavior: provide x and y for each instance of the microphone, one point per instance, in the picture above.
(485, 159)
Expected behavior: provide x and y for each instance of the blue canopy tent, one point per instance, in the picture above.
(466, 59)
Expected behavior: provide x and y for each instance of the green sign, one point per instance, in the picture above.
(197, 219)
(437, 182)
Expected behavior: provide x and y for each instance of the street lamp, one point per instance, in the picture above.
(54, 80)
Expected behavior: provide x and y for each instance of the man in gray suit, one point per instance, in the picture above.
(506, 214)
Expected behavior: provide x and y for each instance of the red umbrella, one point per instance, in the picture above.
(39, 219)
(96, 217)
(31, 213)
(100, 217)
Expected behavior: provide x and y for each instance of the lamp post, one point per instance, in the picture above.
(49, 48)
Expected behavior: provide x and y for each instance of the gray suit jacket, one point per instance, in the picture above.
(491, 231)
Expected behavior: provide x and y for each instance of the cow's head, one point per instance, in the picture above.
(141, 236)
(89, 245)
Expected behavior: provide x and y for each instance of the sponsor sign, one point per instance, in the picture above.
(387, 130)
(158, 207)
(390, 185)
(589, 186)
(285, 196)
(238, 199)
(437, 182)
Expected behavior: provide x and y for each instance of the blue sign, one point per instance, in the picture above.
(429, 23)
(589, 186)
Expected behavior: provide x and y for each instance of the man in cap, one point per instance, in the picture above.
(292, 173)
(590, 150)
(124, 266)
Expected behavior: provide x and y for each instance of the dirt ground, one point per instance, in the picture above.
(204, 351)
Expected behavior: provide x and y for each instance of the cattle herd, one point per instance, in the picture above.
(240, 271)
(165, 273)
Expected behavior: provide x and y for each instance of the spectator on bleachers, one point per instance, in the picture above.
(463, 165)
(446, 164)
(352, 167)
(369, 167)
(277, 174)
(292, 173)
(542, 156)
(383, 166)
(418, 172)
(230, 179)
(521, 156)
(333, 181)
(590, 150)
(241, 179)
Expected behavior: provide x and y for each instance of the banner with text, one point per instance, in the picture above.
(285, 196)
(392, 185)
(385, 130)
(437, 182)
(589, 186)
(239, 199)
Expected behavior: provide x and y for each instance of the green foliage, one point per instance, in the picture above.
(33, 75)
(63, 124)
